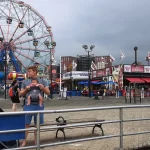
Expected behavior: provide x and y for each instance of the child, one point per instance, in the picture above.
(15, 98)
(34, 95)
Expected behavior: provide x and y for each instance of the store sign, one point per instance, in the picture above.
(137, 68)
(93, 74)
(53, 71)
(127, 68)
(101, 73)
(146, 69)
(75, 75)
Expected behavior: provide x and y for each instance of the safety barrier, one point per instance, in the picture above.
(121, 121)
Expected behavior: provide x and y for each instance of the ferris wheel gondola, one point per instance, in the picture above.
(23, 36)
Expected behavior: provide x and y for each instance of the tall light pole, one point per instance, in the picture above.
(135, 49)
(6, 48)
(89, 65)
(53, 44)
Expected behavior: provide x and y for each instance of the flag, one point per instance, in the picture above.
(148, 55)
(65, 68)
(112, 59)
(74, 64)
(122, 56)
(93, 66)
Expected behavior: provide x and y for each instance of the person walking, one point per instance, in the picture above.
(15, 97)
(25, 91)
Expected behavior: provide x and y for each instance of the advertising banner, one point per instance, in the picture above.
(75, 75)
(93, 74)
(101, 73)
(115, 73)
(120, 80)
(137, 69)
(127, 68)
(146, 69)
(108, 71)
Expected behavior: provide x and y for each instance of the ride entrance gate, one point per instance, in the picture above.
(134, 94)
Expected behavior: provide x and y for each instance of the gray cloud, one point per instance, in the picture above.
(111, 25)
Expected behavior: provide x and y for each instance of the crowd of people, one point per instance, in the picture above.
(103, 91)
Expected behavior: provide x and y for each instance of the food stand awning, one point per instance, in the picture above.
(135, 80)
(146, 79)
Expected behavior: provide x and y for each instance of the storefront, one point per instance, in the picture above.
(72, 78)
(136, 74)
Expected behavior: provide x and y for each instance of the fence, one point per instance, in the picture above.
(121, 122)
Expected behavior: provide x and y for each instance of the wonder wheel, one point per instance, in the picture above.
(25, 37)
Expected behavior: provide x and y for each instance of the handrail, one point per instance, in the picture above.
(72, 110)
(121, 121)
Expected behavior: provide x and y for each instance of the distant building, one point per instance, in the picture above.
(102, 62)
(67, 63)
(83, 64)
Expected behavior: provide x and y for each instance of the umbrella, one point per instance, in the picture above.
(102, 82)
(83, 82)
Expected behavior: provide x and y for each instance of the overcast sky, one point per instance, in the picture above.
(110, 25)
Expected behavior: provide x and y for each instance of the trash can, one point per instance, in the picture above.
(120, 93)
(74, 93)
(91, 93)
(68, 93)
(78, 93)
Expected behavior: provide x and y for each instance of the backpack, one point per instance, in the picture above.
(11, 92)
(34, 94)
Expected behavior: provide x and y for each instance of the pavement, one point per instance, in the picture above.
(130, 142)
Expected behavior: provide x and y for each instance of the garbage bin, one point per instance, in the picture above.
(120, 93)
(91, 93)
(68, 93)
(78, 93)
(74, 93)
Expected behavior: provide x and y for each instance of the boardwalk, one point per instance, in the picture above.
(109, 129)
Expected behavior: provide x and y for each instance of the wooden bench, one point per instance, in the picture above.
(63, 124)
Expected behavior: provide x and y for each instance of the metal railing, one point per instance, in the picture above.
(38, 127)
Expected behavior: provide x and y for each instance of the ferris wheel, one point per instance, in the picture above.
(25, 37)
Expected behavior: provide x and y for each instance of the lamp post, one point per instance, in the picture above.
(135, 49)
(53, 44)
(89, 65)
(6, 47)
(5, 69)
(108, 77)
(70, 83)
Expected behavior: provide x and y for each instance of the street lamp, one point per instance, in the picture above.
(6, 47)
(53, 44)
(89, 65)
(135, 49)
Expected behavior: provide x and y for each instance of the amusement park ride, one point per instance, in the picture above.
(25, 39)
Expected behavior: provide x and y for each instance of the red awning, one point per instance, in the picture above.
(146, 79)
(135, 80)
